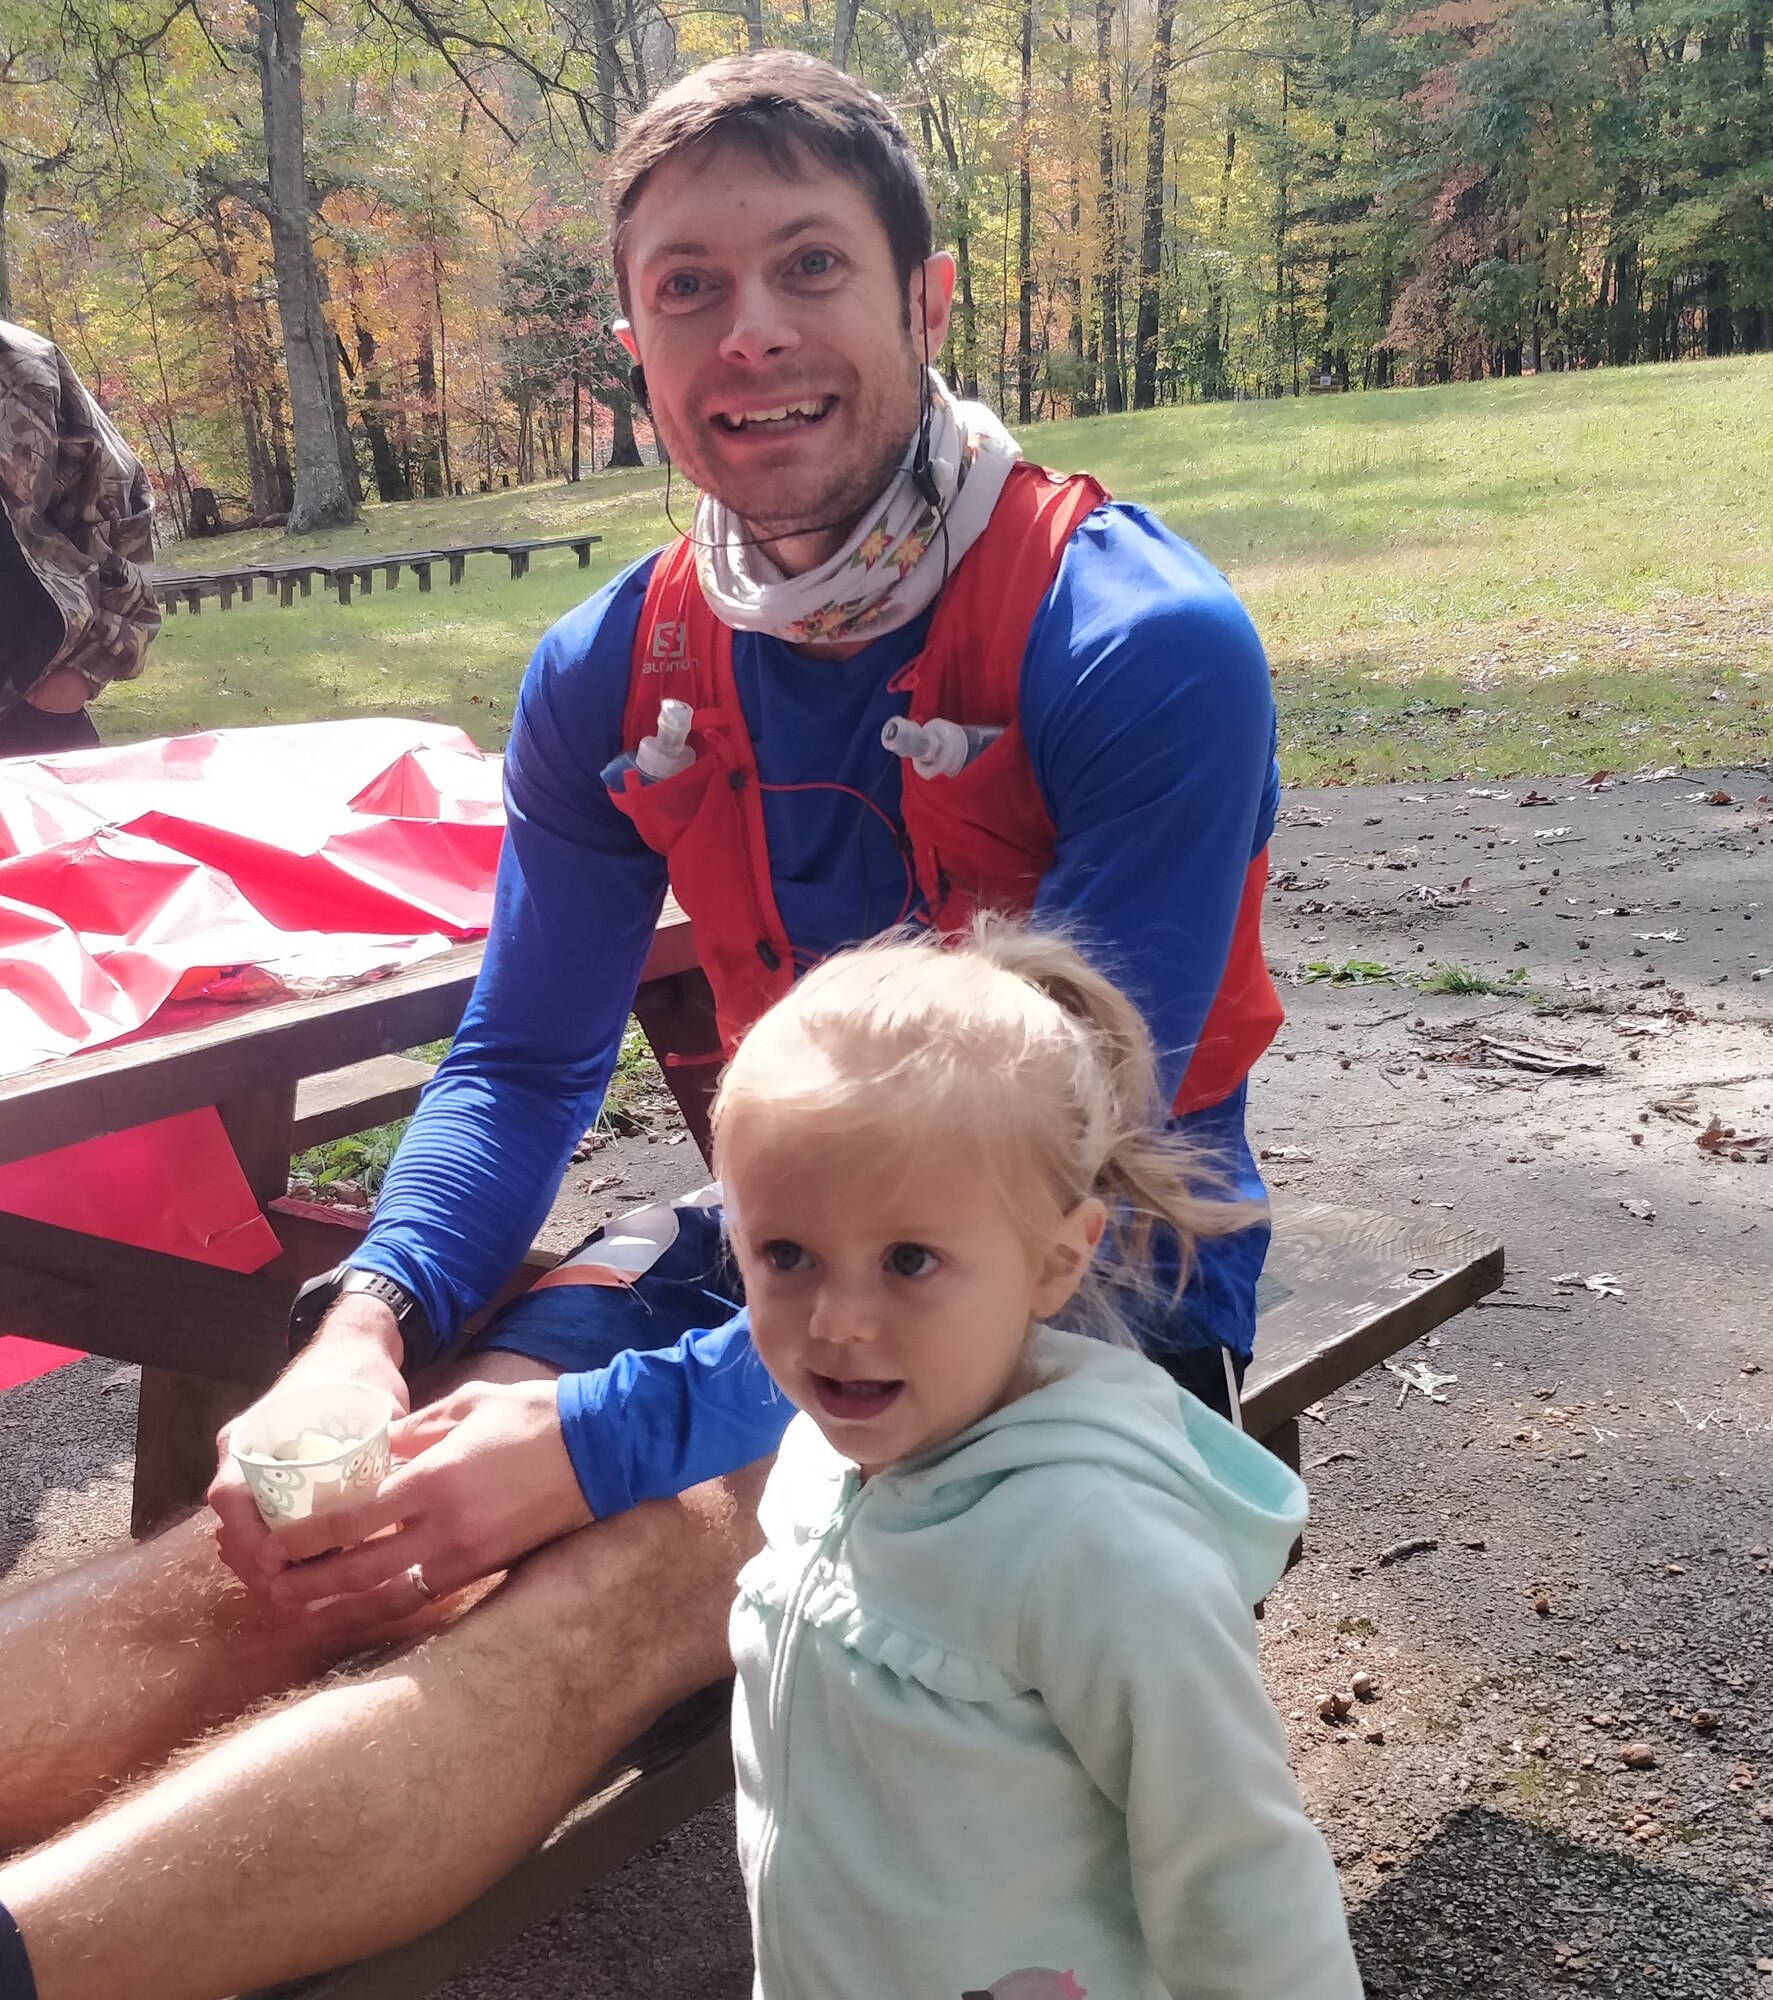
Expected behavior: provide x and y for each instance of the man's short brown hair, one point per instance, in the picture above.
(783, 107)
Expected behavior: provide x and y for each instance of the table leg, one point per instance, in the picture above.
(677, 1017)
(175, 1426)
(179, 1414)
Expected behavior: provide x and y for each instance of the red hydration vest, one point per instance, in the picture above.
(979, 839)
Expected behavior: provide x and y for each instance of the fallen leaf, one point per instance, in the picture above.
(1661, 1024)
(1721, 1138)
(1602, 1283)
(1641, 1209)
(1419, 1376)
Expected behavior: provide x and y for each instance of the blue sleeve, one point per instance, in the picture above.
(577, 899)
(1149, 720)
(651, 1424)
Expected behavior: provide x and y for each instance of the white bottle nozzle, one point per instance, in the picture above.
(937, 748)
(665, 753)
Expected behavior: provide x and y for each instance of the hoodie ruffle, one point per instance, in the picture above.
(830, 1605)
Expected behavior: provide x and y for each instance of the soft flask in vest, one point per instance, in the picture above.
(654, 757)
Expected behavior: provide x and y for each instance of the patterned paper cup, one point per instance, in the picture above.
(313, 1449)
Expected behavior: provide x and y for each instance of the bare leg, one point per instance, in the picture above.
(357, 1816)
(110, 1668)
(115, 1665)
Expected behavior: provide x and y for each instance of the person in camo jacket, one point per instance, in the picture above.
(76, 608)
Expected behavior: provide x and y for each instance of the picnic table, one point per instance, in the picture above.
(344, 573)
(281, 1075)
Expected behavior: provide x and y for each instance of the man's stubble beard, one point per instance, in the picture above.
(838, 506)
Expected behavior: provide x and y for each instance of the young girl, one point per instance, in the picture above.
(999, 1727)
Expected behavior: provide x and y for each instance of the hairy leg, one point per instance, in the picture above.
(361, 1814)
(111, 1667)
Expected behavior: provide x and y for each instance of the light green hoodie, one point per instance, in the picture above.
(999, 1722)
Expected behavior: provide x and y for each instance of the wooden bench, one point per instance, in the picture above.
(356, 1099)
(1343, 1291)
(347, 573)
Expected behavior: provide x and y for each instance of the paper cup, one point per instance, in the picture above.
(313, 1449)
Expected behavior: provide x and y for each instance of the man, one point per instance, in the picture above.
(866, 551)
(75, 533)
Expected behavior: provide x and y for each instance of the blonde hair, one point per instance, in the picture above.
(1009, 1035)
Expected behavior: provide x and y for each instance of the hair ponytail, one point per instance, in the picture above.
(1153, 1183)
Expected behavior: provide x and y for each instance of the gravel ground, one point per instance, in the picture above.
(1597, 1484)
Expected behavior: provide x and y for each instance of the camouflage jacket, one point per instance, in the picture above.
(78, 504)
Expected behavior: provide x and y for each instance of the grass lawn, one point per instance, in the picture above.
(1544, 575)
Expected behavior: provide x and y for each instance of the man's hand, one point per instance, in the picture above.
(482, 1478)
(357, 1342)
(62, 692)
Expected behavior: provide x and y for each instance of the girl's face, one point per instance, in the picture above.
(891, 1288)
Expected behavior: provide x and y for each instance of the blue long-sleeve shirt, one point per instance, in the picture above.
(1149, 721)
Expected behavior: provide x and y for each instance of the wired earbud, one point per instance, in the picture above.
(637, 387)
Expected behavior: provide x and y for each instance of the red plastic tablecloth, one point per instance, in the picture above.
(241, 864)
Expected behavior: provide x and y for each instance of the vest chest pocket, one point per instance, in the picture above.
(698, 820)
(982, 837)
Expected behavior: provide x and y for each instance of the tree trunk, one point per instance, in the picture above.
(322, 497)
(1717, 310)
(390, 484)
(430, 455)
(442, 377)
(1214, 385)
(754, 39)
(623, 450)
(573, 475)
(337, 373)
(843, 31)
(1025, 227)
(1108, 275)
(1073, 282)
(605, 69)
(5, 279)
(1151, 235)
(179, 487)
(261, 489)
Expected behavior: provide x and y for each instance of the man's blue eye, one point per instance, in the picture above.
(783, 1256)
(683, 284)
(911, 1260)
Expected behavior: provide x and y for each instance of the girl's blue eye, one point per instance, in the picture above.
(783, 1256)
(816, 263)
(911, 1260)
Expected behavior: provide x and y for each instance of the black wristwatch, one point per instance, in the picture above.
(317, 1297)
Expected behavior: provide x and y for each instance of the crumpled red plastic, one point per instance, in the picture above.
(234, 865)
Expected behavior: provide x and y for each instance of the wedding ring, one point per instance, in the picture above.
(416, 1577)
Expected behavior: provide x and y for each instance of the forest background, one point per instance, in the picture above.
(308, 248)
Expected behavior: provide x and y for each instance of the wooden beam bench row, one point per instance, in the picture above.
(347, 573)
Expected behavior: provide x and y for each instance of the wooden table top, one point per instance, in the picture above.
(196, 1054)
